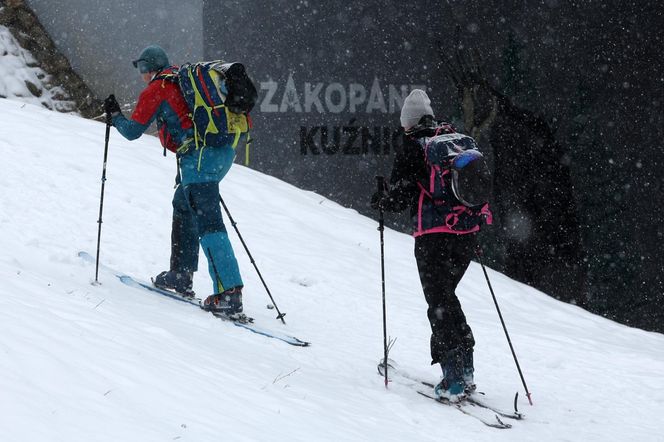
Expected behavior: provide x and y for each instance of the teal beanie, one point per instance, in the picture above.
(152, 59)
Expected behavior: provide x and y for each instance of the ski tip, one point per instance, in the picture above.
(501, 424)
(391, 365)
(298, 343)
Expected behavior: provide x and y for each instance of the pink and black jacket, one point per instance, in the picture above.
(420, 180)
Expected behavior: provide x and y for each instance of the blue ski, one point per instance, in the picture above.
(244, 322)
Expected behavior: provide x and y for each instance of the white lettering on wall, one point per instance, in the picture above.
(290, 100)
(312, 97)
(271, 87)
(336, 97)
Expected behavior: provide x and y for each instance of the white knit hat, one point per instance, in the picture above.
(416, 105)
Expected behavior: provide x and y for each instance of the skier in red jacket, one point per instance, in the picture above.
(196, 212)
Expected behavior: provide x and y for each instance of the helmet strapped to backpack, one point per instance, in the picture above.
(471, 179)
(457, 155)
(242, 94)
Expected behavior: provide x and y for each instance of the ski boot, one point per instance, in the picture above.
(179, 282)
(468, 372)
(228, 303)
(451, 387)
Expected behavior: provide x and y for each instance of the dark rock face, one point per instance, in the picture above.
(30, 34)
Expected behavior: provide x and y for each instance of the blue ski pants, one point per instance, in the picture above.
(197, 217)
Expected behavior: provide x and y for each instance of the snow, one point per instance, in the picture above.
(108, 362)
(18, 68)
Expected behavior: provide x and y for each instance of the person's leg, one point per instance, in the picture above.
(201, 172)
(184, 249)
(184, 235)
(463, 252)
(441, 268)
(204, 201)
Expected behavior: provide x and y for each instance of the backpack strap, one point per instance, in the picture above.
(249, 140)
(200, 102)
(168, 74)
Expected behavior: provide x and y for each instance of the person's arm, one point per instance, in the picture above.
(406, 172)
(144, 114)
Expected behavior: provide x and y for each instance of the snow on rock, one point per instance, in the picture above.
(80, 362)
(22, 79)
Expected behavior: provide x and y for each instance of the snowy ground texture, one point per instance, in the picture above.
(22, 79)
(112, 363)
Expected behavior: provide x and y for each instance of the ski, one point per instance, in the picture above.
(240, 318)
(242, 321)
(461, 406)
(249, 325)
(473, 398)
(131, 282)
(425, 388)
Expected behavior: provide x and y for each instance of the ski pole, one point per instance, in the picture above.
(251, 258)
(478, 252)
(101, 199)
(380, 181)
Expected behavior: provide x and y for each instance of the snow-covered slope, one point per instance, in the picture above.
(111, 363)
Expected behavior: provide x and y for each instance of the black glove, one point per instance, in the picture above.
(111, 106)
(380, 196)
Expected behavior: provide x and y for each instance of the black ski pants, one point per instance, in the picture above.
(442, 260)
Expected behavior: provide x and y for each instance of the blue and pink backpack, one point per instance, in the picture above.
(456, 197)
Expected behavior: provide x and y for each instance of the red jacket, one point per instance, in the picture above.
(163, 101)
